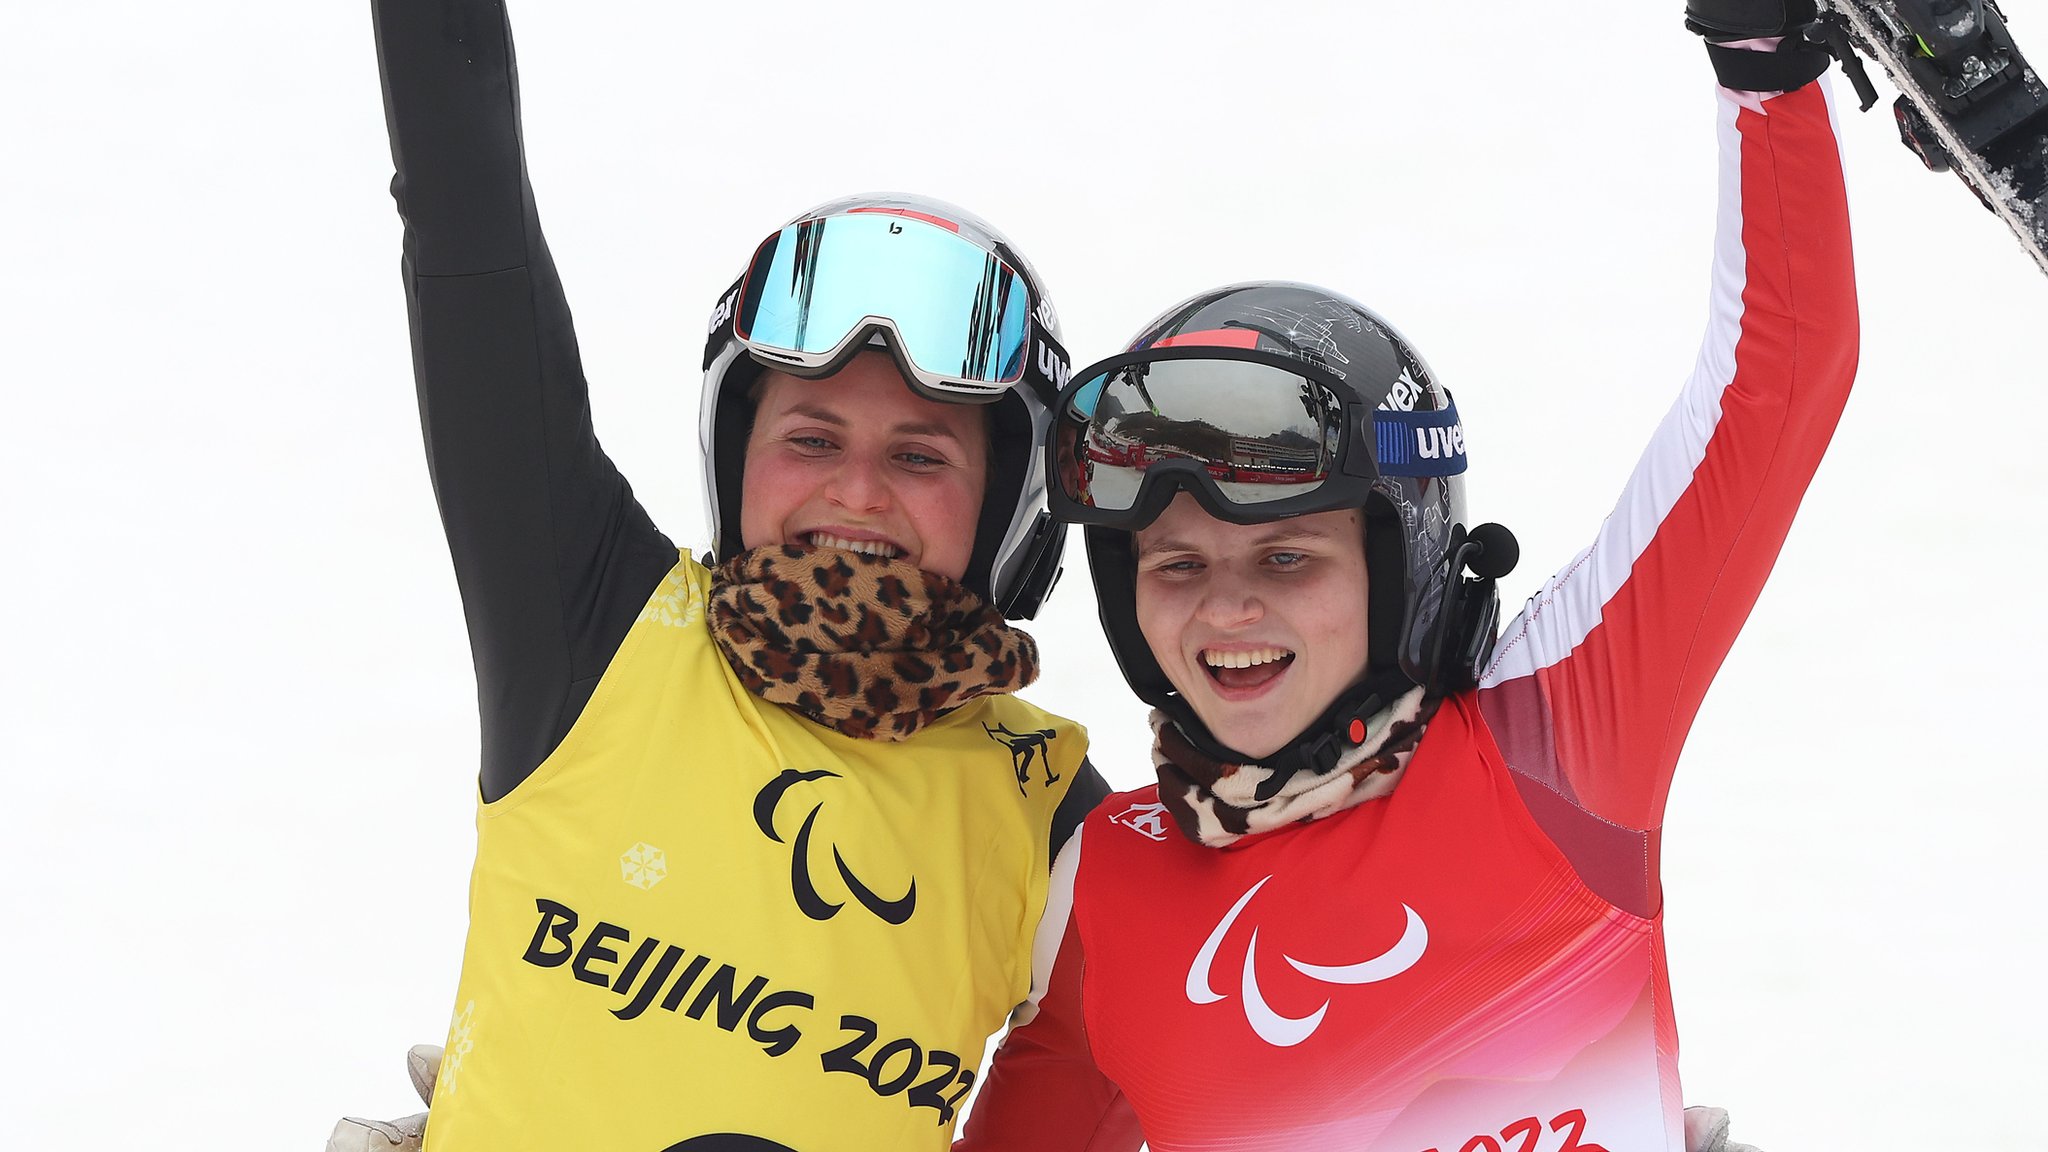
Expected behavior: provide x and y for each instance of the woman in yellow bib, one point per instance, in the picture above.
(762, 838)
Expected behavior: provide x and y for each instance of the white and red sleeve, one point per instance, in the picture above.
(1594, 686)
(1043, 1092)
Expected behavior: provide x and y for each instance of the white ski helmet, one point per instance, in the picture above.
(966, 320)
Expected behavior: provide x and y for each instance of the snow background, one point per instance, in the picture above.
(236, 713)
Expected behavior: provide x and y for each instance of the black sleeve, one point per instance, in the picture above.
(553, 555)
(1087, 790)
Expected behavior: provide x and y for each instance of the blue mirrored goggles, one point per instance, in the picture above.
(956, 315)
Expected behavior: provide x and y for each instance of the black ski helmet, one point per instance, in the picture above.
(1427, 623)
(1017, 545)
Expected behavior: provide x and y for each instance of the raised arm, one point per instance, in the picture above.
(1594, 686)
(553, 555)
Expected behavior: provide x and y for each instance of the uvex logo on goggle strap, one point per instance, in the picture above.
(723, 312)
(1052, 365)
(1419, 443)
(802, 886)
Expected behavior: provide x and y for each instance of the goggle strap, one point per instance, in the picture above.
(723, 327)
(1050, 368)
(1419, 444)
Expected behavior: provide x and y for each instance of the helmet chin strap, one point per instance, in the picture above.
(1318, 748)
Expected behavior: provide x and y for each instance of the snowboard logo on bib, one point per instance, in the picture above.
(1025, 748)
(1147, 820)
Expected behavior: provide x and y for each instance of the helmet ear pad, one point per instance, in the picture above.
(1113, 567)
(732, 425)
(1011, 449)
(1386, 573)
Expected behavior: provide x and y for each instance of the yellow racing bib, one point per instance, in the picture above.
(705, 917)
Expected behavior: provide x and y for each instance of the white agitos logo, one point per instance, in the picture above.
(1287, 1031)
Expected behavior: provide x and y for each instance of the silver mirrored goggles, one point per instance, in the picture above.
(957, 316)
(1254, 436)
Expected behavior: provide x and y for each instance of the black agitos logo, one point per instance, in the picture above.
(1025, 747)
(801, 885)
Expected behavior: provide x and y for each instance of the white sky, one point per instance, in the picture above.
(239, 730)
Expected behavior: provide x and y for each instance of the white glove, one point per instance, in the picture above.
(1706, 1130)
(355, 1134)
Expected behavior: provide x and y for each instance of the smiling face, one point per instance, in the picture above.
(1258, 626)
(857, 460)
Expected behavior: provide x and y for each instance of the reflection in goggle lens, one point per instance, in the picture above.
(1260, 432)
(959, 312)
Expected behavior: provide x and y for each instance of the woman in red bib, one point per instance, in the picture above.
(1397, 885)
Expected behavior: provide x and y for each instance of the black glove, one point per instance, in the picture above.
(1795, 64)
(1742, 19)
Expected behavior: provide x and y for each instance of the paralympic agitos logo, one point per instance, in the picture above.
(802, 885)
(1286, 1031)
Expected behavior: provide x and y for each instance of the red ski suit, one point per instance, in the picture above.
(1474, 963)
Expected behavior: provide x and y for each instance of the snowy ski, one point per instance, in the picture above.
(1970, 102)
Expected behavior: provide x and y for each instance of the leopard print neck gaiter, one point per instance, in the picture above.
(1218, 804)
(872, 647)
